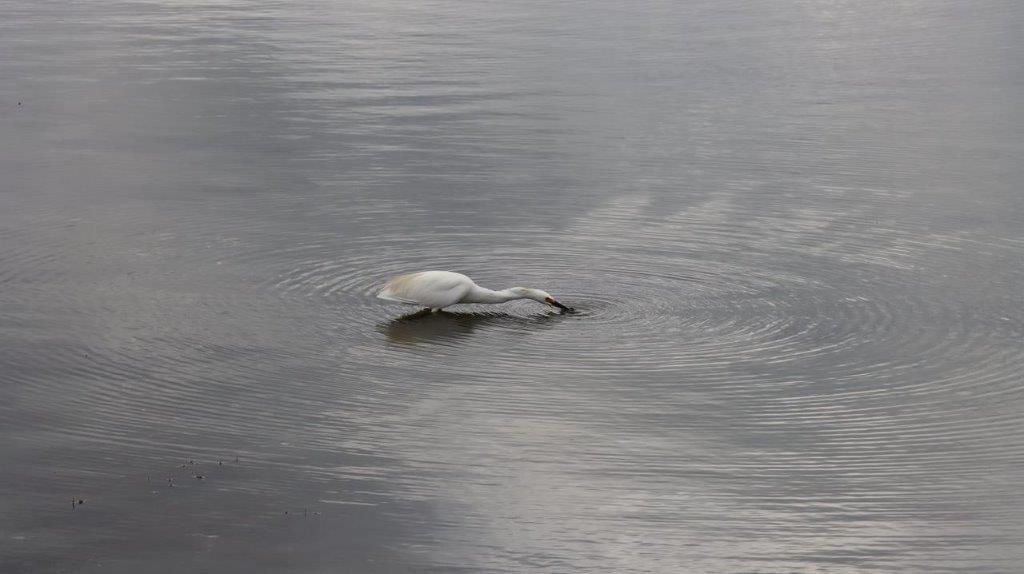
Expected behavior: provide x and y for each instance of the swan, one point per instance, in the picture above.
(436, 290)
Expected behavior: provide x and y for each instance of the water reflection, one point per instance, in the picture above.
(445, 327)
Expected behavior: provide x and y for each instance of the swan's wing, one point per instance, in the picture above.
(427, 288)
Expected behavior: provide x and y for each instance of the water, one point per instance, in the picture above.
(793, 230)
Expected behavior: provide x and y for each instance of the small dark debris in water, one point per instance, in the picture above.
(80, 502)
(305, 513)
(200, 477)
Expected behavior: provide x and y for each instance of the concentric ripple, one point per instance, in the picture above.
(670, 293)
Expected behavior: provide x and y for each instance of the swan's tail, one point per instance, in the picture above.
(394, 290)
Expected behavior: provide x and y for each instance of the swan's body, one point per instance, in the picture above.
(440, 289)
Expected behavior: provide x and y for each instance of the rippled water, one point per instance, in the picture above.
(793, 231)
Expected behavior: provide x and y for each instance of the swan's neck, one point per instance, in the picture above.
(480, 294)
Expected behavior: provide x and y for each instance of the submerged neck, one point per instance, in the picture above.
(480, 294)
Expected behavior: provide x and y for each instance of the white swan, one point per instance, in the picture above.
(436, 290)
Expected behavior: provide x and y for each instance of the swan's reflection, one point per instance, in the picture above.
(447, 327)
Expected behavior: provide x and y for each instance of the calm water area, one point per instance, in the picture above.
(794, 232)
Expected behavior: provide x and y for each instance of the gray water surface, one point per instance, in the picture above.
(794, 232)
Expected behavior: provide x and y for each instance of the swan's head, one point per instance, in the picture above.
(540, 297)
